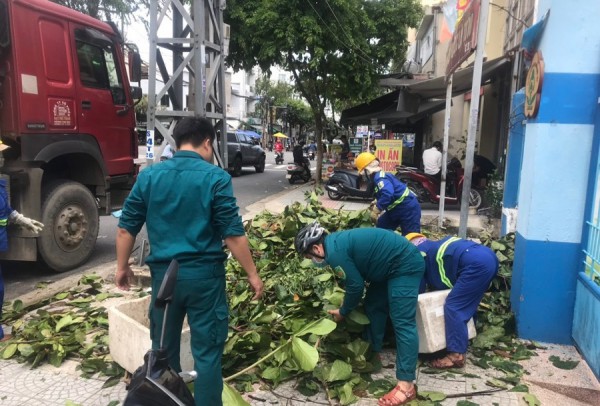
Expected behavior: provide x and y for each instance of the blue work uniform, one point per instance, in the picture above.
(189, 208)
(5, 211)
(401, 206)
(468, 269)
(393, 268)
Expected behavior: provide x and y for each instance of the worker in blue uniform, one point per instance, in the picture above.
(401, 207)
(10, 216)
(468, 269)
(393, 269)
(188, 206)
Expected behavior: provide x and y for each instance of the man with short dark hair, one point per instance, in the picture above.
(432, 160)
(188, 206)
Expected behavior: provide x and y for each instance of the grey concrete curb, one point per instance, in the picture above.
(106, 271)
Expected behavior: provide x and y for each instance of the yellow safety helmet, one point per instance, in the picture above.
(364, 159)
(410, 236)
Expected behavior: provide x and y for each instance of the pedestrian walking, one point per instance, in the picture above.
(188, 207)
(468, 269)
(393, 269)
(401, 207)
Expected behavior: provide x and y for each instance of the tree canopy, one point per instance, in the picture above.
(335, 49)
(110, 10)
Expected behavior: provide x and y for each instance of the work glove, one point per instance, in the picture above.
(372, 204)
(375, 212)
(30, 224)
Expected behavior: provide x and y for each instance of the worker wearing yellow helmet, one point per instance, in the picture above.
(401, 207)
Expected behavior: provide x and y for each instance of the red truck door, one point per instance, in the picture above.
(102, 97)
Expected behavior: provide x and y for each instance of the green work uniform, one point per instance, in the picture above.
(189, 208)
(393, 269)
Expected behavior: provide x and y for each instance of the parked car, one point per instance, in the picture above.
(243, 152)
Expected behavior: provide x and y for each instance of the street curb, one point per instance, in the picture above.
(261, 205)
(106, 271)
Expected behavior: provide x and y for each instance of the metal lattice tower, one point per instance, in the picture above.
(197, 46)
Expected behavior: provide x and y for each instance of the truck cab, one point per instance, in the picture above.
(66, 111)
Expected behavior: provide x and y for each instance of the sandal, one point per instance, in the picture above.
(391, 399)
(448, 362)
(5, 338)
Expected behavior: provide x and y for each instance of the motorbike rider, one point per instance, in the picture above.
(468, 269)
(393, 196)
(432, 161)
(299, 158)
(279, 149)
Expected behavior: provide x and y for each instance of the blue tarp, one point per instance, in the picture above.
(249, 133)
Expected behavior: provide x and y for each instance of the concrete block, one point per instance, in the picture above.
(430, 321)
(129, 335)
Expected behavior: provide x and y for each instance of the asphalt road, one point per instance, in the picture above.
(249, 188)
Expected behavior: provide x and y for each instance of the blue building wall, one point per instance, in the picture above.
(553, 188)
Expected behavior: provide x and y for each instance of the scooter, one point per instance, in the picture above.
(349, 184)
(278, 157)
(155, 383)
(426, 187)
(295, 172)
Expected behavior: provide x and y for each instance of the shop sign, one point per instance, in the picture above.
(464, 39)
(533, 85)
(389, 154)
(356, 145)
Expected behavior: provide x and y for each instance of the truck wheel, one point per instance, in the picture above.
(70, 216)
(260, 167)
(237, 166)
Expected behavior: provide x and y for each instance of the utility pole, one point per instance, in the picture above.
(473, 117)
(197, 47)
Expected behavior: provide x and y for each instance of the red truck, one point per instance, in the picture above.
(66, 111)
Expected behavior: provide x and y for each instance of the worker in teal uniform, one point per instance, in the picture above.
(188, 206)
(399, 206)
(468, 269)
(393, 269)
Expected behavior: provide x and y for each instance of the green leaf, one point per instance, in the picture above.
(17, 306)
(324, 277)
(9, 351)
(63, 322)
(61, 296)
(466, 403)
(433, 396)
(308, 387)
(358, 317)
(112, 381)
(25, 349)
(531, 400)
(520, 388)
(563, 364)
(340, 371)
(496, 383)
(320, 328)
(496, 246)
(231, 397)
(346, 395)
(271, 373)
(489, 337)
(113, 403)
(380, 387)
(305, 354)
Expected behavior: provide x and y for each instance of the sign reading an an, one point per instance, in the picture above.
(464, 40)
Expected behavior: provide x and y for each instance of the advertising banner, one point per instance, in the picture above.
(389, 153)
(356, 145)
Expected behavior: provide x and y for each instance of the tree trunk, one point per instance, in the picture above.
(319, 139)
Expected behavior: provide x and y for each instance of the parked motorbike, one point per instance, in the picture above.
(349, 184)
(156, 383)
(311, 155)
(427, 187)
(296, 172)
(279, 158)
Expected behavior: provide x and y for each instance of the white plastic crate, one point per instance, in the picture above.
(430, 322)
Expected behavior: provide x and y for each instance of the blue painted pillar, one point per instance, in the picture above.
(554, 175)
(514, 161)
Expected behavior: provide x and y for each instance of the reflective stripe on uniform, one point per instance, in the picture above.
(399, 200)
(440, 260)
(3, 222)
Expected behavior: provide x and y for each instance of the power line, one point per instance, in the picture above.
(334, 35)
(344, 31)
